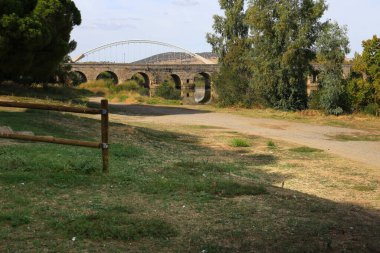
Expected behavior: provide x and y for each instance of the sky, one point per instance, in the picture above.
(184, 23)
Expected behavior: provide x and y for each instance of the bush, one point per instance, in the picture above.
(168, 91)
(131, 86)
(372, 109)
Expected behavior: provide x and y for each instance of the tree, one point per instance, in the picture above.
(332, 46)
(364, 85)
(283, 35)
(230, 43)
(35, 37)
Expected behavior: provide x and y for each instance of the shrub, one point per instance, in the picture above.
(168, 91)
(372, 109)
(131, 86)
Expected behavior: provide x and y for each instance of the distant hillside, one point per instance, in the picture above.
(176, 58)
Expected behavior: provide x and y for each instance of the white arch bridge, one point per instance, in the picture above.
(156, 62)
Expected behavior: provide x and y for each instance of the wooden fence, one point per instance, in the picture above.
(103, 111)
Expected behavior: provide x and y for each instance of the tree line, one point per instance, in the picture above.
(266, 53)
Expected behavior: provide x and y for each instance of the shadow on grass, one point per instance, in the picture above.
(51, 91)
(218, 212)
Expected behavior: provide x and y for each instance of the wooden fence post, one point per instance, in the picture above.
(105, 145)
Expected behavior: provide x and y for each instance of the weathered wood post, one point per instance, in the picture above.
(105, 133)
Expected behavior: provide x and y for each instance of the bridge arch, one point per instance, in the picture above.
(77, 77)
(146, 82)
(177, 81)
(202, 88)
(108, 75)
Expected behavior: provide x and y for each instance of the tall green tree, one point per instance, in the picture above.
(35, 37)
(364, 86)
(283, 35)
(230, 43)
(332, 46)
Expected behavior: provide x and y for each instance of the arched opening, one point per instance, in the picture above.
(142, 79)
(177, 81)
(202, 83)
(108, 75)
(77, 78)
(170, 88)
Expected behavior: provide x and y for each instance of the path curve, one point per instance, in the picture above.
(315, 136)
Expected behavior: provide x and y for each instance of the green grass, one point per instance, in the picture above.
(108, 225)
(365, 188)
(239, 143)
(305, 150)
(166, 192)
(358, 137)
(271, 145)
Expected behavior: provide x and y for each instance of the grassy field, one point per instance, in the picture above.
(177, 188)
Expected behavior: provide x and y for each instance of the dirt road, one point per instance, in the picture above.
(315, 136)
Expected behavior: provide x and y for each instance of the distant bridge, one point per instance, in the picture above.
(154, 65)
(156, 62)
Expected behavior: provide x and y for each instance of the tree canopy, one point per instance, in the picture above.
(266, 51)
(283, 35)
(364, 86)
(332, 46)
(230, 42)
(35, 37)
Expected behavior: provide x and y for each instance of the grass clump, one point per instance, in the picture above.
(271, 145)
(239, 143)
(14, 219)
(305, 150)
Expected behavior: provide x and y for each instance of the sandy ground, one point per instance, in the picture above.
(315, 136)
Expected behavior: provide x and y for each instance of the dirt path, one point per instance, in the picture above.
(303, 134)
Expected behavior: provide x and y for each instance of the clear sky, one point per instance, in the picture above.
(185, 23)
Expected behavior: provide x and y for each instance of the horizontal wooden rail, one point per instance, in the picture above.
(104, 112)
(51, 107)
(48, 139)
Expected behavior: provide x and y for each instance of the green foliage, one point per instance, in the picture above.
(332, 47)
(35, 37)
(131, 86)
(283, 34)
(168, 90)
(75, 78)
(108, 77)
(232, 81)
(364, 84)
(230, 43)
(372, 109)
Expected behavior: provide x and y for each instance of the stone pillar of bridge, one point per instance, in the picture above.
(188, 88)
(91, 74)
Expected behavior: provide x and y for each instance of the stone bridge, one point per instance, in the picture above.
(183, 75)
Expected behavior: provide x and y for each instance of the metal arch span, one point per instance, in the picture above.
(126, 42)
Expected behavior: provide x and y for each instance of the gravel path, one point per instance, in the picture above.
(315, 136)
